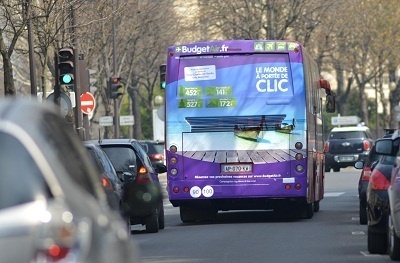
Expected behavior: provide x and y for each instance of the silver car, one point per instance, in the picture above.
(52, 206)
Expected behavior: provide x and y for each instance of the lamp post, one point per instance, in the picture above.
(32, 72)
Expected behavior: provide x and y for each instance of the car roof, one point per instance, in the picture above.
(151, 141)
(350, 128)
(113, 141)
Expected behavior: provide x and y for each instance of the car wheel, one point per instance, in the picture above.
(377, 242)
(327, 168)
(393, 242)
(161, 219)
(363, 214)
(152, 222)
(336, 169)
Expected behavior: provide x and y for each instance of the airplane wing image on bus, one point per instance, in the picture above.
(244, 128)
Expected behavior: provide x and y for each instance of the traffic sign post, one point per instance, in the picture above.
(88, 103)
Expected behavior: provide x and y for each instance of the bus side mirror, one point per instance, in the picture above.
(330, 103)
(330, 96)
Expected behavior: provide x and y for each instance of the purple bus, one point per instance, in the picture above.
(244, 128)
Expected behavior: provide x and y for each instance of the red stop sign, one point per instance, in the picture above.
(87, 103)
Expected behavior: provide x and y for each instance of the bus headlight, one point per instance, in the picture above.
(173, 171)
(173, 149)
(173, 160)
(299, 157)
(299, 168)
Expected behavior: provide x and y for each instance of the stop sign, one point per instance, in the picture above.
(87, 103)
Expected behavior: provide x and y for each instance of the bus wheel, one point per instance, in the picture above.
(336, 169)
(187, 214)
(327, 168)
(316, 206)
(309, 210)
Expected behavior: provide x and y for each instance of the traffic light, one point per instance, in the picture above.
(114, 86)
(66, 66)
(163, 71)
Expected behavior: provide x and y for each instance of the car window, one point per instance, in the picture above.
(144, 156)
(70, 149)
(347, 135)
(108, 167)
(158, 148)
(21, 180)
(95, 160)
(145, 146)
(121, 157)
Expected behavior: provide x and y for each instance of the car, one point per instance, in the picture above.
(52, 205)
(347, 145)
(155, 151)
(111, 183)
(378, 205)
(394, 215)
(143, 199)
(391, 148)
(363, 181)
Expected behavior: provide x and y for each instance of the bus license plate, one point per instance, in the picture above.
(236, 168)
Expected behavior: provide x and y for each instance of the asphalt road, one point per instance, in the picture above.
(332, 235)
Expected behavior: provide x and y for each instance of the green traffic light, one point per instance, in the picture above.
(66, 79)
(163, 84)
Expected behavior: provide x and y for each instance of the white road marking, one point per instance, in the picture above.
(333, 194)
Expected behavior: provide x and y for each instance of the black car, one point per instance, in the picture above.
(363, 182)
(142, 200)
(112, 185)
(378, 204)
(371, 160)
(155, 151)
(347, 145)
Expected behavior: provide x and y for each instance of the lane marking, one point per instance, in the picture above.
(333, 194)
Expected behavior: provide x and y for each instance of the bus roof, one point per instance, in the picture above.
(235, 46)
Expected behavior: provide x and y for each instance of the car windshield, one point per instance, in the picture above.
(347, 135)
(121, 157)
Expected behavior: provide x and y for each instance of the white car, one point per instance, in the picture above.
(52, 205)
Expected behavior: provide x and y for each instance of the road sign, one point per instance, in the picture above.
(126, 120)
(345, 120)
(65, 103)
(88, 103)
(106, 121)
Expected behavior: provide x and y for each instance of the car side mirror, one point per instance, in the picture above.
(359, 165)
(161, 168)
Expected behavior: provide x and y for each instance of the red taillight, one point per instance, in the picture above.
(366, 174)
(143, 176)
(367, 145)
(326, 147)
(55, 252)
(157, 156)
(378, 181)
(106, 183)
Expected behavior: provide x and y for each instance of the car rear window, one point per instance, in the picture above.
(121, 157)
(347, 135)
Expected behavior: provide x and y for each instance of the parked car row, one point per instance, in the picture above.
(383, 196)
(53, 207)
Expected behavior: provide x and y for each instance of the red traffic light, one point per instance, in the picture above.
(115, 79)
